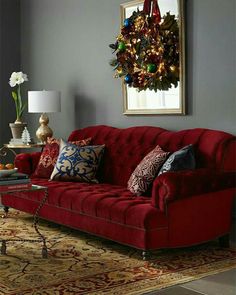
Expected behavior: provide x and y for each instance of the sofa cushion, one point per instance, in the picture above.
(113, 203)
(146, 171)
(77, 163)
(182, 159)
(50, 154)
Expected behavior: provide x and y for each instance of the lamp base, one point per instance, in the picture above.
(44, 131)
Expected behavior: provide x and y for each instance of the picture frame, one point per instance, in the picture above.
(172, 101)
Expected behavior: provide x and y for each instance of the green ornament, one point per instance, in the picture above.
(151, 68)
(121, 46)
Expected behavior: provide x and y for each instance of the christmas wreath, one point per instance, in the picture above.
(147, 49)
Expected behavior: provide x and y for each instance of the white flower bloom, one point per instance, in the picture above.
(17, 78)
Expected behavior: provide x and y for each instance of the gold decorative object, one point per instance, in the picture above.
(44, 130)
(42, 102)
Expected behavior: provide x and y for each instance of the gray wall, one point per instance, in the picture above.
(10, 35)
(65, 47)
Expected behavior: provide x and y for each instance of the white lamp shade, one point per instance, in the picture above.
(46, 101)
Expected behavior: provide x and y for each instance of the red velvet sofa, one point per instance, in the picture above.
(181, 209)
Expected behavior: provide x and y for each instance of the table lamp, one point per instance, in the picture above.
(46, 101)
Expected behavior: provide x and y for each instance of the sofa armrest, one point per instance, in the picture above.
(27, 162)
(171, 186)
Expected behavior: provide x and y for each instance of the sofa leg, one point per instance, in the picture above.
(224, 241)
(6, 209)
(145, 255)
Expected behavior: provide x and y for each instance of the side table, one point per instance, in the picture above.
(10, 147)
(42, 239)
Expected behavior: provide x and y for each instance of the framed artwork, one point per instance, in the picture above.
(148, 102)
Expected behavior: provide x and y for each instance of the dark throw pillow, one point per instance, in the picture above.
(182, 159)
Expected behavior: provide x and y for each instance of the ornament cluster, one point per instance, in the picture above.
(147, 52)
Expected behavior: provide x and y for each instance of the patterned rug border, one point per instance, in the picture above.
(181, 281)
(128, 289)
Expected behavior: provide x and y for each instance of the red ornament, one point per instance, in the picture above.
(155, 9)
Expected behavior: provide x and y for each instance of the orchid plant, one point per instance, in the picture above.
(16, 79)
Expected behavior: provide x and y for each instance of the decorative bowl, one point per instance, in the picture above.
(7, 172)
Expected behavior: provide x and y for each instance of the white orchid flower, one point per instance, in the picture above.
(17, 78)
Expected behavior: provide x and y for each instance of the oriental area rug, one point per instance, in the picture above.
(80, 263)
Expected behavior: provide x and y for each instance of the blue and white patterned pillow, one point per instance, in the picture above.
(77, 163)
(182, 159)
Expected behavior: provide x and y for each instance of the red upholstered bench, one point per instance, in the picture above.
(181, 209)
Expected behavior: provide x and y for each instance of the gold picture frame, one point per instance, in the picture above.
(171, 102)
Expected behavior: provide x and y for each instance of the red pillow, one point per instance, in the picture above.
(50, 154)
(146, 171)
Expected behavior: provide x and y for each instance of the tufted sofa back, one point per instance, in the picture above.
(125, 148)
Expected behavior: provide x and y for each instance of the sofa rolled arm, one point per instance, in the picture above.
(27, 162)
(171, 186)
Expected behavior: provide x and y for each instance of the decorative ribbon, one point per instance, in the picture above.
(155, 9)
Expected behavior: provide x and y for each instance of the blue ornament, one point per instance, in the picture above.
(128, 79)
(127, 22)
